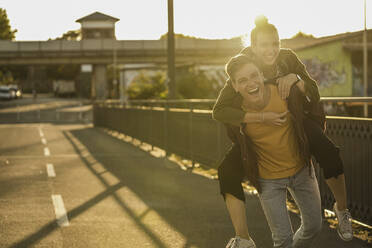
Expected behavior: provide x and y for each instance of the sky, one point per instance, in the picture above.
(212, 19)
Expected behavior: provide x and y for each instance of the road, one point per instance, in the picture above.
(114, 194)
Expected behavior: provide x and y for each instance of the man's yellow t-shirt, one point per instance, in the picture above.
(275, 146)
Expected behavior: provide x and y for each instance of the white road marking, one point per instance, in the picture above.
(46, 152)
(41, 132)
(60, 210)
(50, 170)
(43, 140)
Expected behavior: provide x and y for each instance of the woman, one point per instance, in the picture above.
(284, 65)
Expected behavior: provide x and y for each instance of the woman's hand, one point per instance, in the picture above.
(285, 84)
(273, 118)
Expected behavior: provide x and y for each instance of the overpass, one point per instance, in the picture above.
(101, 51)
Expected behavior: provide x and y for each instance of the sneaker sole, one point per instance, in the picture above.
(340, 235)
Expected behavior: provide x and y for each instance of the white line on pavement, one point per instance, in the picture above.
(43, 140)
(41, 132)
(60, 210)
(46, 152)
(50, 170)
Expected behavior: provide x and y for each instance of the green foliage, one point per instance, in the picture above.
(6, 33)
(191, 84)
(71, 35)
(300, 34)
(5, 77)
(194, 84)
(183, 36)
(177, 36)
(148, 86)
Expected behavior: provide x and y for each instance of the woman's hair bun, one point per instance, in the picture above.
(261, 20)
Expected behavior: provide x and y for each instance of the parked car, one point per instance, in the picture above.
(6, 93)
(16, 91)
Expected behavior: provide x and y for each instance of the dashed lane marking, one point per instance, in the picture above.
(60, 211)
(41, 132)
(46, 152)
(50, 170)
(43, 140)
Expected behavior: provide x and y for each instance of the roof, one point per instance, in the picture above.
(97, 16)
(299, 43)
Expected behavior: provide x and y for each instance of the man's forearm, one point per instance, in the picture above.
(253, 117)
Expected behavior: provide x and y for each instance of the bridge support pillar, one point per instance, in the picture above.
(99, 82)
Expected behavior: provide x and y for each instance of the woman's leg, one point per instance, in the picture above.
(230, 176)
(338, 188)
(236, 209)
(305, 191)
(328, 157)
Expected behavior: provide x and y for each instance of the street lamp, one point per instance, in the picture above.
(365, 61)
(171, 53)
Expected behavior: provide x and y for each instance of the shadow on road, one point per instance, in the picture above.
(190, 203)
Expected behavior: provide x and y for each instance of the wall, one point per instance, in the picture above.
(330, 65)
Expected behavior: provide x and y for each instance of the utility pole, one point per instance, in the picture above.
(114, 64)
(172, 89)
(365, 61)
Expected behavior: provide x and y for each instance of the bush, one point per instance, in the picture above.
(146, 86)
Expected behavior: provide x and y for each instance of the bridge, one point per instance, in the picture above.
(101, 51)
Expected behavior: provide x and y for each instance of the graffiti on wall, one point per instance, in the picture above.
(324, 73)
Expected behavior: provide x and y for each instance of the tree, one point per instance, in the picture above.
(177, 36)
(6, 33)
(71, 35)
(194, 84)
(191, 84)
(301, 34)
(183, 36)
(146, 86)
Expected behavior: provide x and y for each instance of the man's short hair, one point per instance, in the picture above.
(237, 62)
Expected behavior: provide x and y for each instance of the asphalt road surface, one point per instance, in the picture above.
(77, 186)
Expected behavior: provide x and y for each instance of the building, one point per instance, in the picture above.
(98, 26)
(335, 62)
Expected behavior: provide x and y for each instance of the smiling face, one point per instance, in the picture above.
(249, 82)
(266, 47)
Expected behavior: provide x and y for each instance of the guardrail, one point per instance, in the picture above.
(47, 111)
(194, 135)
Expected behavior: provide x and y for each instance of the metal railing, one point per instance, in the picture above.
(47, 111)
(194, 135)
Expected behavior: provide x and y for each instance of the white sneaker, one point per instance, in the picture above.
(344, 228)
(238, 242)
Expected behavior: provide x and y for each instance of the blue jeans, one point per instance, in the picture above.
(305, 191)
